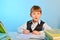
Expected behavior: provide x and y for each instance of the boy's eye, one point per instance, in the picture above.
(36, 13)
(33, 13)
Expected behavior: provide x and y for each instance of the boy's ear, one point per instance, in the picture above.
(41, 14)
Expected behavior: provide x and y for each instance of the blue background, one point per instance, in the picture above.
(14, 13)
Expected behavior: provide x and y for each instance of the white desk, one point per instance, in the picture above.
(14, 36)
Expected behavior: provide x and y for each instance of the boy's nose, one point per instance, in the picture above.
(36, 15)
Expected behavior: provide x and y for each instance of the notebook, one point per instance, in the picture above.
(29, 36)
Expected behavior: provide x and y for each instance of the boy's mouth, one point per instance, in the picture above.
(36, 18)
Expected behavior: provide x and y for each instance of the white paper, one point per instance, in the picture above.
(29, 36)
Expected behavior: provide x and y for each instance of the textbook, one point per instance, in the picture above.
(53, 34)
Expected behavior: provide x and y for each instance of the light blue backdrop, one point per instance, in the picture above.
(14, 13)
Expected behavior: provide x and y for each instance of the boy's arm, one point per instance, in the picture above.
(46, 27)
(22, 28)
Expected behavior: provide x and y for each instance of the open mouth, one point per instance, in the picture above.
(35, 18)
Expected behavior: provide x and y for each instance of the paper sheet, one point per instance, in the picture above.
(29, 36)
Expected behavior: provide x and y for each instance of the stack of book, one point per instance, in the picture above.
(3, 32)
(3, 36)
(53, 34)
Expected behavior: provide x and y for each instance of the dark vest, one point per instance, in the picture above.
(39, 27)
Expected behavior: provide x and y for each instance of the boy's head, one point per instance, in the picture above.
(36, 13)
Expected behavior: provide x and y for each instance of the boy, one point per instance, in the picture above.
(35, 26)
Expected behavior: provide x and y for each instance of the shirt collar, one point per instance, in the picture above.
(37, 22)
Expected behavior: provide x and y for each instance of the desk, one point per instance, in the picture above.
(14, 34)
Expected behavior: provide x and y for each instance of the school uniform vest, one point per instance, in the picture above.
(39, 27)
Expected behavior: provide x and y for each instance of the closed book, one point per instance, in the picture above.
(3, 35)
(53, 34)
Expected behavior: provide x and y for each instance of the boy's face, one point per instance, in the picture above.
(36, 15)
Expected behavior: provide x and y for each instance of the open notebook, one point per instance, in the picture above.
(29, 36)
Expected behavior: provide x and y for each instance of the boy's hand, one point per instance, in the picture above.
(36, 32)
(26, 32)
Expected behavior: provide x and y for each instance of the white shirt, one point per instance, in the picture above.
(24, 27)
